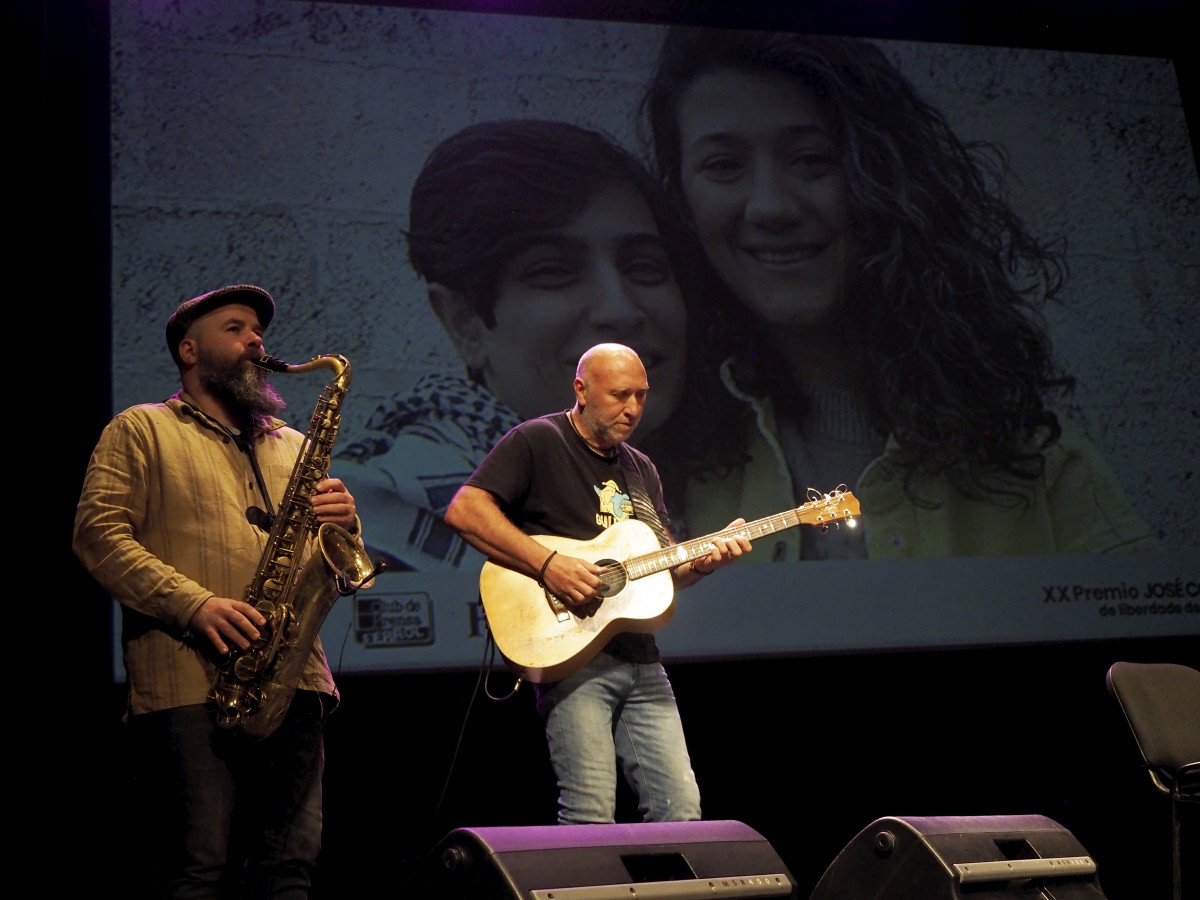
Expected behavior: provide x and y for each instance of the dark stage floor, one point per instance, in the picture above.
(807, 751)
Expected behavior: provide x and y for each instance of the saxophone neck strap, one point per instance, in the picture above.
(244, 441)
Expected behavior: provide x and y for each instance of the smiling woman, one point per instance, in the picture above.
(764, 186)
(884, 325)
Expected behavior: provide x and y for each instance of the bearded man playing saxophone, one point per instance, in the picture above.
(172, 521)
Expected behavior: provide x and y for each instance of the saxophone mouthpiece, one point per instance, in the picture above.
(271, 364)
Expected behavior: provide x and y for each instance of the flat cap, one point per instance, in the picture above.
(190, 310)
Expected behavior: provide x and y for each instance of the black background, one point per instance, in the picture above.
(806, 750)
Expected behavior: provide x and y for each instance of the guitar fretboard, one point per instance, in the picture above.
(817, 512)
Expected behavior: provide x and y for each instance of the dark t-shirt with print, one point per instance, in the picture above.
(548, 481)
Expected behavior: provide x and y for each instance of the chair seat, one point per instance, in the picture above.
(1160, 703)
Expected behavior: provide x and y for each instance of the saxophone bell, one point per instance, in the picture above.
(350, 564)
(346, 588)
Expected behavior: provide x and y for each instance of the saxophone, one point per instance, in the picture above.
(253, 688)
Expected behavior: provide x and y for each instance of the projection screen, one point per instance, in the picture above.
(275, 142)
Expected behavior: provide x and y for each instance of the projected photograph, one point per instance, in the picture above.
(956, 284)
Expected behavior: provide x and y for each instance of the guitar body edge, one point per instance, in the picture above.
(541, 648)
(544, 671)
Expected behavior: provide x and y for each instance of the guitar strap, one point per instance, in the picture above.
(643, 508)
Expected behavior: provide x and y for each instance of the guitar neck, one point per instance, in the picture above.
(678, 554)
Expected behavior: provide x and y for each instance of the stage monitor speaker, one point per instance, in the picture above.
(948, 858)
(645, 861)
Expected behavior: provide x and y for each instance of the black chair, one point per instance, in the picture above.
(1161, 702)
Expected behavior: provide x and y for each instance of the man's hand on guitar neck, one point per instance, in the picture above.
(724, 551)
(577, 582)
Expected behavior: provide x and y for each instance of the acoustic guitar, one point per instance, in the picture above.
(543, 639)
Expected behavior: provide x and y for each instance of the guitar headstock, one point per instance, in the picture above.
(824, 509)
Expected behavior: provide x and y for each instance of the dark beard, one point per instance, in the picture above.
(244, 389)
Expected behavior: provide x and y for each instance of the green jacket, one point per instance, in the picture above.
(1077, 506)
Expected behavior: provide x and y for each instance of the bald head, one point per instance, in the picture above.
(607, 356)
(610, 395)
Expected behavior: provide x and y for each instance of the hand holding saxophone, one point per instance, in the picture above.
(333, 503)
(223, 621)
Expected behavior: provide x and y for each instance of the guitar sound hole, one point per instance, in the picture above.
(612, 578)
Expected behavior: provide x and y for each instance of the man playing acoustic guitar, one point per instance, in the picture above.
(571, 475)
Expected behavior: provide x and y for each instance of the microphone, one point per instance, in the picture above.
(260, 518)
(346, 588)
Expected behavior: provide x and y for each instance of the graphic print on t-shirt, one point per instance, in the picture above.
(614, 506)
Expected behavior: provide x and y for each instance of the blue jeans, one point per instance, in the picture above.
(227, 817)
(612, 713)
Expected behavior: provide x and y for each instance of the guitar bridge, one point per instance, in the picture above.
(561, 613)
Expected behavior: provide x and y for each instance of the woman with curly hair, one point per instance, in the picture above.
(882, 318)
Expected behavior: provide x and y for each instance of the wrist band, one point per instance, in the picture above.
(697, 570)
(542, 573)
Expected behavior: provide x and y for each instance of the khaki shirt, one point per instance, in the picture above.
(161, 524)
